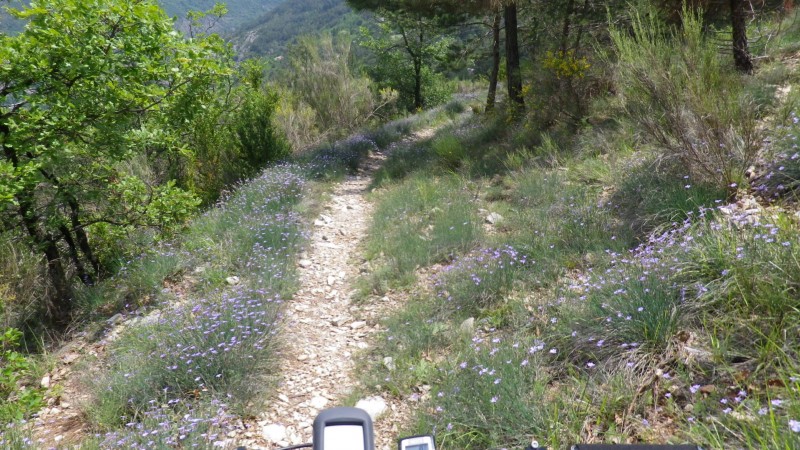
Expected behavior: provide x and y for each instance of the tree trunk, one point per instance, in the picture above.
(418, 101)
(61, 305)
(512, 56)
(82, 238)
(492, 97)
(418, 84)
(567, 23)
(741, 53)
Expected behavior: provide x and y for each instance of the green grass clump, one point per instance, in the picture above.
(560, 224)
(401, 163)
(414, 346)
(651, 197)
(420, 222)
(202, 425)
(14, 436)
(220, 347)
(685, 98)
(449, 151)
(479, 283)
(492, 396)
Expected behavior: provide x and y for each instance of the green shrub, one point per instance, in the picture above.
(321, 77)
(258, 140)
(686, 99)
(495, 395)
(476, 283)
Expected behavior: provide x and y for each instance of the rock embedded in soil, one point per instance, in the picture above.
(374, 406)
(468, 326)
(494, 218)
(318, 402)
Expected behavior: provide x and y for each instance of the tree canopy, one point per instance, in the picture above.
(86, 87)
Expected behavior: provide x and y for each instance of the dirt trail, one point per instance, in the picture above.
(324, 330)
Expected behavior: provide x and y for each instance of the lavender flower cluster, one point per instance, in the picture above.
(684, 269)
(480, 278)
(163, 427)
(782, 173)
(215, 346)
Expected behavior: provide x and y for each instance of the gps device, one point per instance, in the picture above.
(343, 429)
(416, 443)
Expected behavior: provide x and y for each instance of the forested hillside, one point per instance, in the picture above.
(269, 34)
(239, 11)
(493, 221)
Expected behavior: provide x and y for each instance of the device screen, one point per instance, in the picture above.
(345, 437)
(418, 447)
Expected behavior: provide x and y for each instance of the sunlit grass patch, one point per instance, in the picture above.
(414, 340)
(417, 223)
(499, 393)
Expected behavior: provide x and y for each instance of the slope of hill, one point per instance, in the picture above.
(239, 11)
(272, 32)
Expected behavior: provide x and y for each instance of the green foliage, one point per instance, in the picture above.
(408, 49)
(88, 87)
(449, 150)
(16, 402)
(686, 99)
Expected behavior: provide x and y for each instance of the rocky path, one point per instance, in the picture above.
(324, 331)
